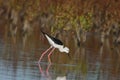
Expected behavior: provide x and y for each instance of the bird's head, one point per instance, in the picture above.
(64, 49)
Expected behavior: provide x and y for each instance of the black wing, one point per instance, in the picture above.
(57, 41)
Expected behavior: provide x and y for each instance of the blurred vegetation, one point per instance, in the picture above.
(67, 14)
(64, 15)
(86, 21)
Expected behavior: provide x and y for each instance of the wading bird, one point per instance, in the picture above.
(55, 43)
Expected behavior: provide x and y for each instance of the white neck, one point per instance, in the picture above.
(64, 49)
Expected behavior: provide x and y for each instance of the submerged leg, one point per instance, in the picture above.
(47, 70)
(44, 54)
(50, 54)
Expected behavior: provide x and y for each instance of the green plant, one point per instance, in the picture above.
(86, 21)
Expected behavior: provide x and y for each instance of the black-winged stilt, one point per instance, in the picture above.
(55, 43)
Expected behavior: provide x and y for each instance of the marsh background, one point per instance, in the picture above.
(90, 28)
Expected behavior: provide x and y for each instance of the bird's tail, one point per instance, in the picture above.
(42, 31)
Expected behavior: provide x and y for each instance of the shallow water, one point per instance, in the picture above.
(19, 60)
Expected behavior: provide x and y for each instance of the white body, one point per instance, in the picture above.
(60, 47)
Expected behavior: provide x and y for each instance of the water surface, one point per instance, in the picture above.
(19, 60)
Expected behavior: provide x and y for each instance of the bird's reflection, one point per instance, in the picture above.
(61, 78)
(45, 73)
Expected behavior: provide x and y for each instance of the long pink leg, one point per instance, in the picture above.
(49, 61)
(50, 54)
(44, 54)
(47, 70)
(40, 69)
